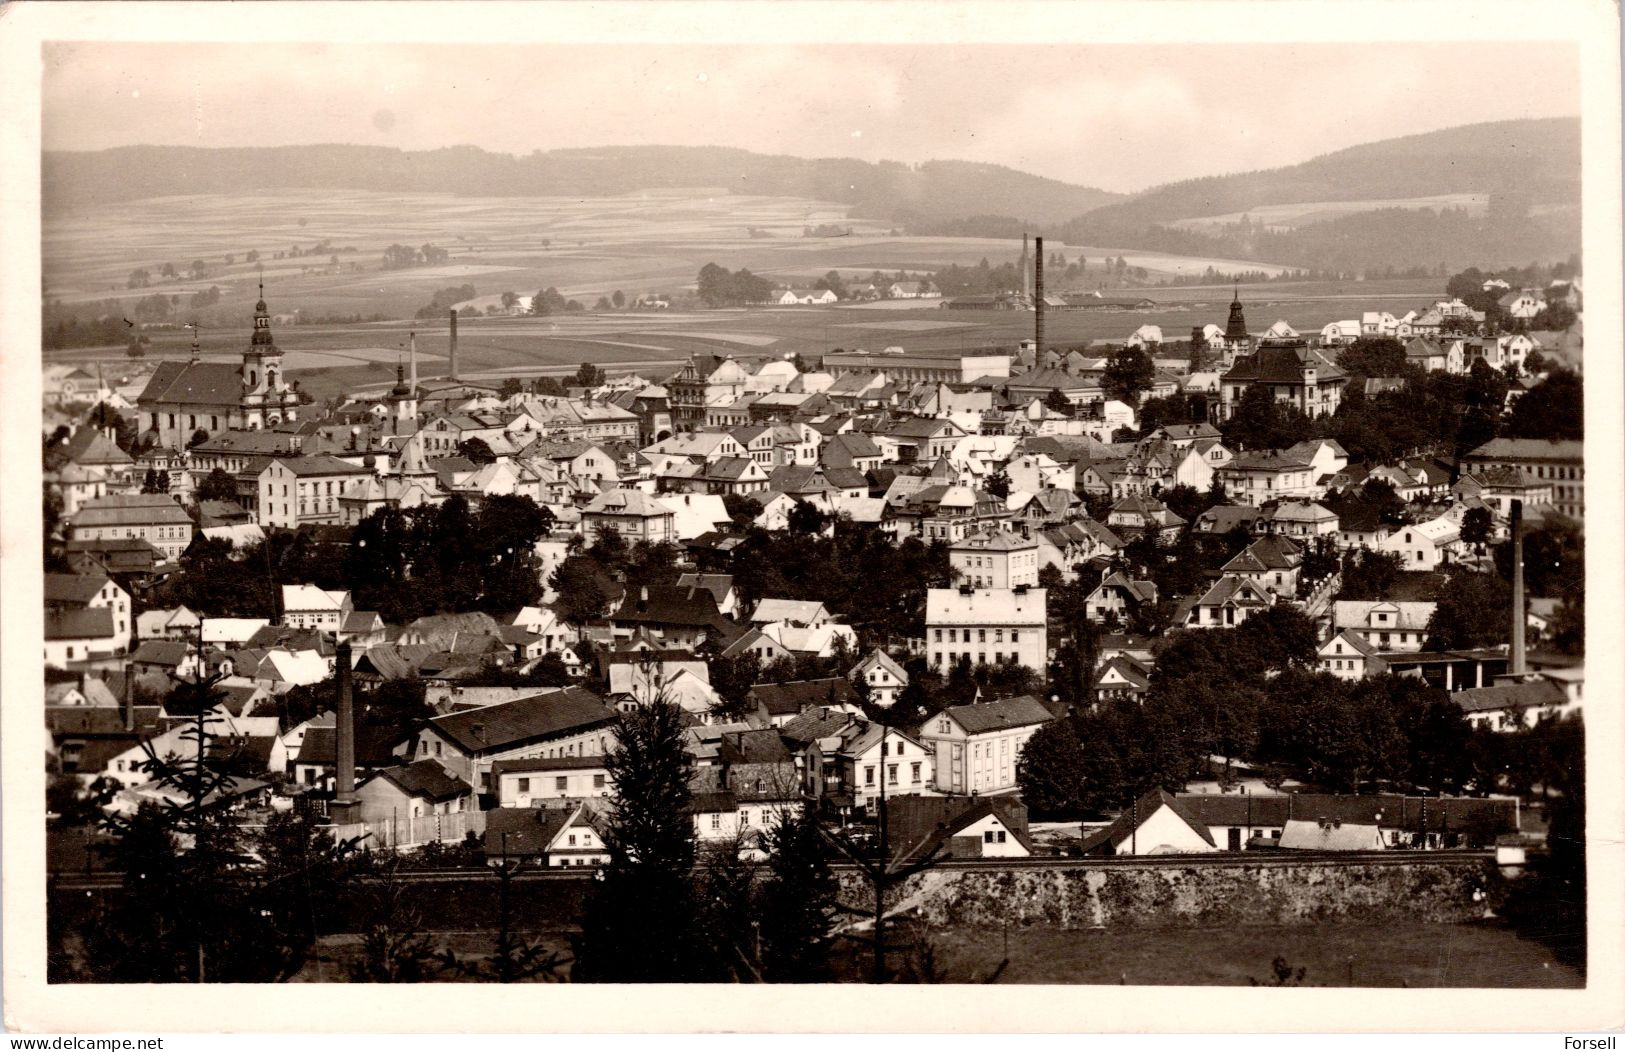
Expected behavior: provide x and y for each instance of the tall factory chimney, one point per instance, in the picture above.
(1518, 616)
(412, 357)
(1038, 301)
(1026, 271)
(344, 806)
(453, 352)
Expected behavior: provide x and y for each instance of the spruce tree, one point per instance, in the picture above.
(798, 903)
(641, 923)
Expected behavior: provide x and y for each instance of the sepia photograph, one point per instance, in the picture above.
(984, 509)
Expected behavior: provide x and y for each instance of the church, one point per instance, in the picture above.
(183, 398)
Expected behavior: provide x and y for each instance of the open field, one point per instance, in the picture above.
(1285, 217)
(1416, 955)
(360, 357)
(646, 242)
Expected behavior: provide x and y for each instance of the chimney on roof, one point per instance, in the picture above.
(643, 599)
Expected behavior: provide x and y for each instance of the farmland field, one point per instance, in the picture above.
(1285, 217)
(646, 242)
(649, 242)
(359, 357)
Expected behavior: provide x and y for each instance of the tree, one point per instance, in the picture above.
(1475, 528)
(1374, 356)
(617, 299)
(742, 509)
(588, 375)
(798, 902)
(199, 437)
(217, 485)
(155, 482)
(510, 387)
(998, 485)
(1058, 402)
(641, 922)
(805, 519)
(1260, 422)
(1127, 374)
(477, 450)
(1473, 610)
(581, 597)
(192, 910)
(1552, 409)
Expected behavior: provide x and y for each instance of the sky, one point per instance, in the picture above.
(1118, 117)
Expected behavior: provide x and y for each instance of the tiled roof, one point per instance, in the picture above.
(195, 383)
(374, 746)
(72, 589)
(785, 699)
(426, 779)
(548, 715)
(1022, 711)
(523, 830)
(1531, 694)
(93, 622)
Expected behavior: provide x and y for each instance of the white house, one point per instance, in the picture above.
(306, 606)
(1425, 545)
(986, 625)
(1384, 624)
(884, 676)
(976, 747)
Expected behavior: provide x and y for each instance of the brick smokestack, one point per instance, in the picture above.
(453, 352)
(1038, 302)
(1518, 617)
(344, 781)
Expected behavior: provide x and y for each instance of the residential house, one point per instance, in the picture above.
(1258, 478)
(883, 676)
(152, 517)
(1121, 677)
(1158, 823)
(635, 516)
(1138, 515)
(559, 838)
(674, 616)
(1293, 373)
(1118, 598)
(69, 592)
(976, 747)
(1347, 655)
(306, 606)
(1385, 625)
(958, 827)
(1229, 602)
(974, 623)
(1272, 562)
(776, 704)
(299, 491)
(996, 558)
(1424, 545)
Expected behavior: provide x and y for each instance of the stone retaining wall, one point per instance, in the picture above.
(1196, 893)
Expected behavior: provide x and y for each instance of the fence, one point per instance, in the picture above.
(406, 831)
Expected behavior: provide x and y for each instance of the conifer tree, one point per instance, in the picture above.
(798, 902)
(641, 923)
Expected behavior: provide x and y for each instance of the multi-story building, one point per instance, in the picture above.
(986, 625)
(1294, 373)
(294, 491)
(1562, 462)
(911, 366)
(996, 559)
(977, 746)
(152, 517)
(704, 382)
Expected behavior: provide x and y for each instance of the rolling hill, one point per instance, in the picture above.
(1373, 207)
(897, 193)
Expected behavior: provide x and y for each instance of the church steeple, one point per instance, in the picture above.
(1235, 330)
(262, 341)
